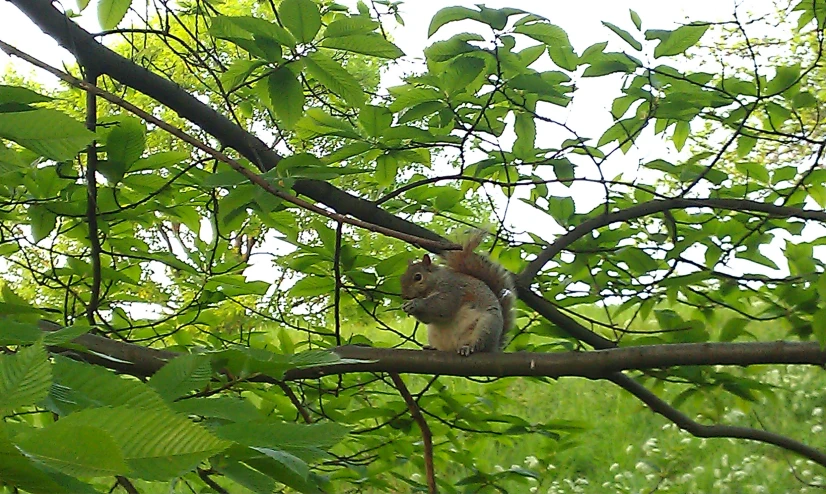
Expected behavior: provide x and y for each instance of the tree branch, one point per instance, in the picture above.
(658, 206)
(427, 437)
(140, 361)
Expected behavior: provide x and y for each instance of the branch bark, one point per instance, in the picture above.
(140, 361)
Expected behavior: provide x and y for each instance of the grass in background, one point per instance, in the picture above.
(628, 448)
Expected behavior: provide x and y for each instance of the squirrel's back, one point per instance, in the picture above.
(496, 277)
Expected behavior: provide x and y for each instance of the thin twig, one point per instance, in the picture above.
(422, 423)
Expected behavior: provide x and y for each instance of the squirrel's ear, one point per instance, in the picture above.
(426, 260)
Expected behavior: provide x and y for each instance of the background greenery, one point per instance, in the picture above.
(256, 263)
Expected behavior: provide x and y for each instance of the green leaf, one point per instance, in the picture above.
(301, 18)
(461, 72)
(312, 286)
(76, 448)
(286, 96)
(78, 385)
(245, 31)
(125, 142)
(20, 95)
(451, 14)
(48, 132)
(111, 12)
(677, 41)
(65, 335)
(42, 221)
(316, 123)
(335, 78)
(625, 35)
(561, 209)
(442, 51)
(525, 128)
(156, 444)
(785, 78)
(559, 47)
(238, 72)
(669, 320)
(372, 44)
(247, 476)
(681, 132)
(745, 143)
(387, 166)
(19, 471)
(635, 18)
(25, 377)
(734, 328)
(182, 375)
(375, 119)
(349, 26)
(308, 442)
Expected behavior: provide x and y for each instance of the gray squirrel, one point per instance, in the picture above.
(467, 304)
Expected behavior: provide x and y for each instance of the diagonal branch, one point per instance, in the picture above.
(100, 59)
(658, 206)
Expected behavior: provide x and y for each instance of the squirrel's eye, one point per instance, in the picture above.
(417, 277)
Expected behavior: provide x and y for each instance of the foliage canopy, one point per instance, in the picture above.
(233, 184)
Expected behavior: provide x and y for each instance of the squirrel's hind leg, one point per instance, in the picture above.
(482, 335)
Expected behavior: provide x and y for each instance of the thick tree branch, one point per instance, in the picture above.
(658, 206)
(100, 59)
(599, 364)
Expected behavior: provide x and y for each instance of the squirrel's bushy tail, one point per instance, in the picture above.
(497, 278)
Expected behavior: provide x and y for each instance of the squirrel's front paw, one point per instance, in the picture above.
(465, 350)
(410, 306)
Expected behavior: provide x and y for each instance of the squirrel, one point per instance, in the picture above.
(467, 304)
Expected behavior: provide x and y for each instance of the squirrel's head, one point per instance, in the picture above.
(415, 279)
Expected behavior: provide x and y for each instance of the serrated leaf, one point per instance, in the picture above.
(48, 132)
(442, 51)
(679, 40)
(301, 18)
(625, 35)
(125, 142)
(156, 444)
(375, 119)
(335, 78)
(525, 128)
(451, 14)
(25, 377)
(20, 95)
(111, 12)
(734, 328)
(65, 335)
(307, 442)
(312, 286)
(387, 166)
(238, 72)
(78, 385)
(286, 96)
(182, 375)
(42, 221)
(372, 44)
(461, 72)
(21, 472)
(348, 26)
(75, 448)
